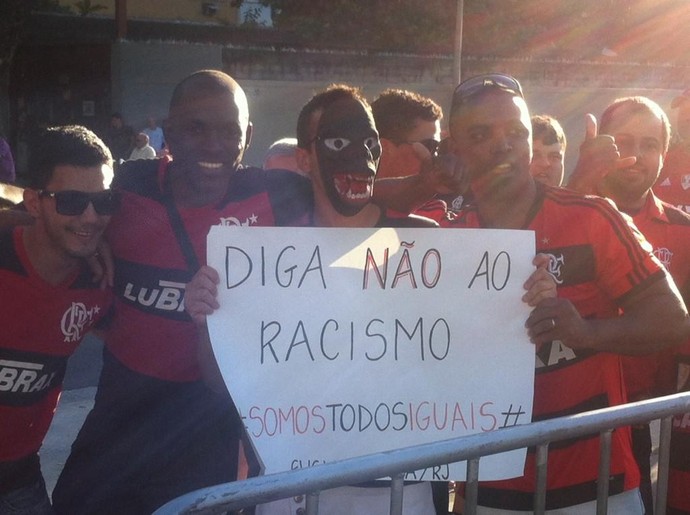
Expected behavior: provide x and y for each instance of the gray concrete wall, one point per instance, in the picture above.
(277, 85)
(144, 75)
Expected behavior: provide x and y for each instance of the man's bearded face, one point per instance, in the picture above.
(348, 151)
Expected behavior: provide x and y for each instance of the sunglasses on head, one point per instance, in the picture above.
(74, 203)
(470, 87)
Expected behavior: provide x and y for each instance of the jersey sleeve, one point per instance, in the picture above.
(624, 259)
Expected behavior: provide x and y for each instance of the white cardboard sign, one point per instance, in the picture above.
(337, 343)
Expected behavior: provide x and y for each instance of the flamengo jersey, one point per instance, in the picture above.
(151, 333)
(673, 185)
(597, 259)
(41, 325)
(668, 230)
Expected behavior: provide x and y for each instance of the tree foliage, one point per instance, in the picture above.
(639, 30)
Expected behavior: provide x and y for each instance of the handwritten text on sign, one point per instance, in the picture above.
(337, 343)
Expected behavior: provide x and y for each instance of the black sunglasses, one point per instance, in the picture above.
(74, 203)
(470, 87)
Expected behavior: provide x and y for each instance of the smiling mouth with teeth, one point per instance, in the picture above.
(354, 186)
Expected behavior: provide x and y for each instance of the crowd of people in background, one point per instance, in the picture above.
(607, 298)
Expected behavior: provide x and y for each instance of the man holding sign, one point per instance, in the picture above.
(601, 264)
(339, 147)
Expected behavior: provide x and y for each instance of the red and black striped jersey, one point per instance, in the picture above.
(42, 324)
(151, 333)
(598, 259)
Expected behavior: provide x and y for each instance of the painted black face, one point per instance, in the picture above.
(348, 152)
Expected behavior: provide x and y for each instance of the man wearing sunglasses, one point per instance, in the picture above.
(404, 118)
(614, 297)
(48, 299)
(156, 430)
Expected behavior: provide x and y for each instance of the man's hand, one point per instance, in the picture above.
(598, 157)
(541, 284)
(443, 173)
(102, 265)
(200, 297)
(557, 319)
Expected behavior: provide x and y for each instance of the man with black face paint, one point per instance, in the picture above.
(339, 147)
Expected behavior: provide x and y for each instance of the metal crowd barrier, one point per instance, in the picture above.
(232, 496)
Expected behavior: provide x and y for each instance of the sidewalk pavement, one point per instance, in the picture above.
(71, 411)
(81, 378)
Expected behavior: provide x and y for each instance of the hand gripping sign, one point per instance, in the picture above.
(337, 343)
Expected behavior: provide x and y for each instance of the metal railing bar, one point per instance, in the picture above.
(312, 503)
(397, 484)
(604, 470)
(471, 487)
(542, 458)
(662, 465)
(386, 464)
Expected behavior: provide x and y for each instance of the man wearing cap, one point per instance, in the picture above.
(673, 185)
(614, 297)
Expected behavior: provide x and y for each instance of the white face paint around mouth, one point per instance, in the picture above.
(354, 186)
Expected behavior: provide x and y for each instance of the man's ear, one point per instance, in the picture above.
(31, 202)
(303, 160)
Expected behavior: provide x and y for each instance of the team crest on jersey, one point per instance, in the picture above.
(555, 267)
(232, 221)
(664, 255)
(75, 319)
(685, 181)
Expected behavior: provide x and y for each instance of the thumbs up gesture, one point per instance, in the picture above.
(598, 157)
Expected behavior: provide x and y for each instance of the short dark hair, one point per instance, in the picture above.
(637, 104)
(545, 128)
(72, 145)
(321, 101)
(396, 112)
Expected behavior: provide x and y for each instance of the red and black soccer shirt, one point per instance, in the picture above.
(42, 324)
(598, 259)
